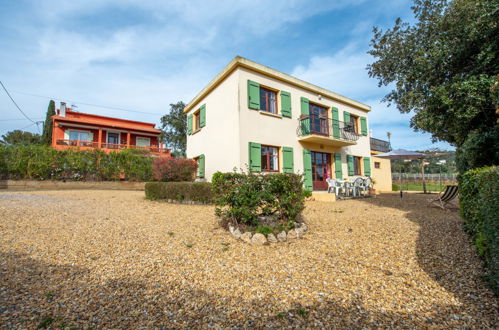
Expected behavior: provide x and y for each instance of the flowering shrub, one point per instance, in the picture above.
(174, 169)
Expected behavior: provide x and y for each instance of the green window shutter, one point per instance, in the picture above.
(351, 170)
(367, 166)
(201, 166)
(363, 125)
(346, 117)
(335, 123)
(255, 157)
(286, 104)
(253, 95)
(305, 111)
(338, 172)
(307, 170)
(305, 106)
(202, 116)
(189, 124)
(287, 160)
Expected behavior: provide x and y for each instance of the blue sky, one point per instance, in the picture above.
(144, 55)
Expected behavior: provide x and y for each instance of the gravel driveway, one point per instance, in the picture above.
(111, 259)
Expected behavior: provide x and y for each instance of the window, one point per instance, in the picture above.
(268, 100)
(270, 159)
(197, 121)
(377, 165)
(318, 119)
(143, 142)
(356, 166)
(80, 136)
(353, 123)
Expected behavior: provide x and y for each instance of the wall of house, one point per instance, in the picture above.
(257, 126)
(382, 175)
(218, 140)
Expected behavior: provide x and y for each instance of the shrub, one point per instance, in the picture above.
(479, 205)
(174, 169)
(258, 199)
(46, 163)
(180, 191)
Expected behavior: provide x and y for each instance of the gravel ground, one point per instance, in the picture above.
(111, 259)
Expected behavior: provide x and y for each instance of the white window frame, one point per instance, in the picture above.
(142, 138)
(68, 132)
(117, 132)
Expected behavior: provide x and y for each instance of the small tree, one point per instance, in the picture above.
(174, 127)
(18, 137)
(47, 126)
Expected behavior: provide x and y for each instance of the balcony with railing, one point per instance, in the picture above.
(108, 147)
(380, 145)
(325, 130)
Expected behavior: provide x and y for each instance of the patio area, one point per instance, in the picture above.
(94, 258)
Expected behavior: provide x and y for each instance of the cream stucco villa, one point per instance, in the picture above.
(251, 116)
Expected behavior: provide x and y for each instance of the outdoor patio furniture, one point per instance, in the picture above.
(366, 185)
(445, 197)
(357, 187)
(335, 186)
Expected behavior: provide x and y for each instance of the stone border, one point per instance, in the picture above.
(261, 239)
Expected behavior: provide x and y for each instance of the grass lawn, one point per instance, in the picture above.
(419, 187)
(111, 259)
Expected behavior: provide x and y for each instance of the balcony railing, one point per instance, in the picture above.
(108, 146)
(380, 145)
(326, 127)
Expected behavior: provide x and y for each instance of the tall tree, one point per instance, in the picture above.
(443, 67)
(18, 137)
(174, 127)
(47, 126)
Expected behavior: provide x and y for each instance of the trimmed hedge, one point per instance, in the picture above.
(259, 199)
(479, 205)
(180, 191)
(38, 162)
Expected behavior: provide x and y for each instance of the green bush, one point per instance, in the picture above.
(45, 163)
(257, 199)
(395, 187)
(479, 205)
(179, 191)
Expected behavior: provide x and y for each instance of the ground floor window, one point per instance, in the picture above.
(270, 159)
(377, 165)
(356, 165)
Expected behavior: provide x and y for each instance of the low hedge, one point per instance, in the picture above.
(252, 200)
(179, 191)
(479, 206)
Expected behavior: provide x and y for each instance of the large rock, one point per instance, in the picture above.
(281, 237)
(299, 232)
(258, 239)
(292, 234)
(231, 229)
(271, 238)
(237, 233)
(246, 237)
(304, 226)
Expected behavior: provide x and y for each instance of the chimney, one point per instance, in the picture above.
(62, 111)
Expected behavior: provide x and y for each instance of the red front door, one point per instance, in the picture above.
(321, 169)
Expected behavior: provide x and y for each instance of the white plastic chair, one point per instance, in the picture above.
(356, 186)
(333, 185)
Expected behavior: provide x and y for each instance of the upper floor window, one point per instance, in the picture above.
(143, 142)
(197, 121)
(268, 100)
(270, 159)
(354, 123)
(80, 136)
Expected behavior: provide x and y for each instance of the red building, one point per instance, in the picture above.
(73, 129)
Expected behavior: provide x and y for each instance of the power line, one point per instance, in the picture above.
(16, 119)
(88, 104)
(8, 94)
